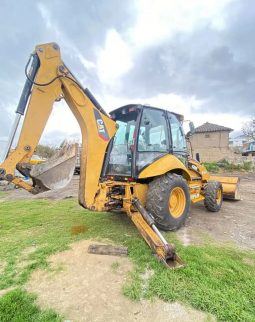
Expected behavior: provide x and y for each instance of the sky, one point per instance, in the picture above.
(191, 57)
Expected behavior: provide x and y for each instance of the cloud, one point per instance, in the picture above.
(59, 137)
(194, 56)
(207, 63)
(115, 59)
(162, 19)
(79, 28)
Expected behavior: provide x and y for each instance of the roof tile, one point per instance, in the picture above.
(210, 127)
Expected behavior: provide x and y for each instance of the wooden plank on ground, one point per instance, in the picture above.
(108, 250)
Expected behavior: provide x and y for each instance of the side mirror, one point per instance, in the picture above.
(191, 128)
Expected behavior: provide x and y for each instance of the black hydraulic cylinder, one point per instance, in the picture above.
(146, 216)
(23, 100)
(94, 100)
(28, 85)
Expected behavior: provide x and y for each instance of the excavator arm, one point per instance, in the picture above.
(48, 81)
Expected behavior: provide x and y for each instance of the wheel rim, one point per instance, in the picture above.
(218, 196)
(177, 202)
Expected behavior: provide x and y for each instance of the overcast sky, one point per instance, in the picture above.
(192, 57)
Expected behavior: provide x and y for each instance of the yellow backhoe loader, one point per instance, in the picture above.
(134, 160)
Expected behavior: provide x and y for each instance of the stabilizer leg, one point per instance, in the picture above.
(145, 223)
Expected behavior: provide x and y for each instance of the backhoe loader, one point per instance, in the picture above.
(134, 160)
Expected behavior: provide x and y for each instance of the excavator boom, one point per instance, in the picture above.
(49, 81)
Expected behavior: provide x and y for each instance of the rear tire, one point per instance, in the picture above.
(168, 200)
(213, 196)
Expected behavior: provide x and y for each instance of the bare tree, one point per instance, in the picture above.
(45, 151)
(249, 128)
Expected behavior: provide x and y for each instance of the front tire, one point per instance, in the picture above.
(168, 200)
(213, 196)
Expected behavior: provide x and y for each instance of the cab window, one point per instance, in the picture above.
(153, 140)
(178, 136)
(153, 132)
(120, 161)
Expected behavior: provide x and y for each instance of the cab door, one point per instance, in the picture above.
(153, 137)
(178, 140)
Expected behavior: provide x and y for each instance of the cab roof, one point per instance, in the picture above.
(135, 107)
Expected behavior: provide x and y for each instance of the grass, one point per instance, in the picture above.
(229, 166)
(48, 227)
(211, 167)
(19, 306)
(218, 279)
(115, 266)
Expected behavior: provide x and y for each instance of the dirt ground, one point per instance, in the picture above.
(234, 223)
(88, 287)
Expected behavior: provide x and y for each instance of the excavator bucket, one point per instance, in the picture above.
(57, 172)
(230, 186)
(171, 263)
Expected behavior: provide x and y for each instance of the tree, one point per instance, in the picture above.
(44, 151)
(249, 129)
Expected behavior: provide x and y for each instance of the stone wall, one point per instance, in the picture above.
(239, 159)
(211, 146)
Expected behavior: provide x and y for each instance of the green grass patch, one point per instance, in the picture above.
(115, 266)
(49, 227)
(217, 279)
(225, 165)
(2, 194)
(20, 306)
(211, 166)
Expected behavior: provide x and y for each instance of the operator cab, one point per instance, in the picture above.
(144, 135)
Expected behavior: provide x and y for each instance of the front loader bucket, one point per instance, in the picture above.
(230, 186)
(57, 172)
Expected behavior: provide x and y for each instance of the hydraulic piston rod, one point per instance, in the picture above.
(23, 101)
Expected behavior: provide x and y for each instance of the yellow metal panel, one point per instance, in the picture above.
(163, 165)
(222, 179)
(140, 191)
(34, 161)
(93, 146)
(148, 234)
(230, 186)
(200, 198)
(200, 169)
(19, 182)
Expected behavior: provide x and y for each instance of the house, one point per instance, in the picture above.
(211, 141)
(249, 149)
(238, 141)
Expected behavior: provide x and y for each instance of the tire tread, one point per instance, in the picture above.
(158, 194)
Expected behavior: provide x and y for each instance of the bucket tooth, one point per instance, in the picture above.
(173, 263)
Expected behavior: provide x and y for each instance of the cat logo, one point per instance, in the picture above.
(102, 132)
(100, 126)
